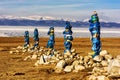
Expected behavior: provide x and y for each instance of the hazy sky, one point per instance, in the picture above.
(74, 9)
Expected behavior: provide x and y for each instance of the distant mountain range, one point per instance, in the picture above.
(48, 21)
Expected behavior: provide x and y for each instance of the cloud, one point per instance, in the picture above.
(76, 9)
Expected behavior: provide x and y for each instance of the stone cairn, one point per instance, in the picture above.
(95, 33)
(102, 66)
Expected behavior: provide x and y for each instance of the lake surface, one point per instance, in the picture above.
(11, 31)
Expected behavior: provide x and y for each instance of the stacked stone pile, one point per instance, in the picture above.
(107, 68)
(102, 66)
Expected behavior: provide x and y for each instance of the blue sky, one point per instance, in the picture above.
(74, 9)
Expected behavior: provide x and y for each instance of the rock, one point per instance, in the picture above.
(86, 65)
(47, 57)
(115, 71)
(92, 77)
(81, 57)
(13, 48)
(108, 57)
(79, 67)
(103, 53)
(56, 52)
(53, 57)
(49, 52)
(118, 57)
(57, 55)
(114, 67)
(42, 60)
(96, 64)
(69, 62)
(86, 59)
(73, 51)
(96, 69)
(34, 56)
(58, 70)
(113, 63)
(29, 50)
(60, 65)
(78, 56)
(90, 62)
(105, 69)
(17, 51)
(71, 56)
(81, 61)
(60, 57)
(24, 50)
(97, 58)
(90, 57)
(11, 52)
(76, 62)
(66, 56)
(102, 77)
(74, 54)
(41, 49)
(67, 53)
(37, 63)
(68, 68)
(19, 47)
(104, 63)
(26, 58)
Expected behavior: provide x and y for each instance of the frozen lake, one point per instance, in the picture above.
(11, 31)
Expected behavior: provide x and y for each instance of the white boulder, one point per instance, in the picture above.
(61, 64)
(97, 58)
(103, 53)
(102, 77)
(68, 68)
(79, 67)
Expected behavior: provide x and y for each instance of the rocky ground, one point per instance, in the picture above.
(15, 67)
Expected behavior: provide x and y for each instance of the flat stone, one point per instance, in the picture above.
(114, 65)
(19, 47)
(68, 68)
(73, 51)
(79, 67)
(108, 57)
(76, 62)
(102, 77)
(34, 56)
(104, 63)
(103, 53)
(97, 58)
(26, 58)
(11, 52)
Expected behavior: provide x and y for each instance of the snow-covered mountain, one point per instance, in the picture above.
(48, 21)
(34, 17)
